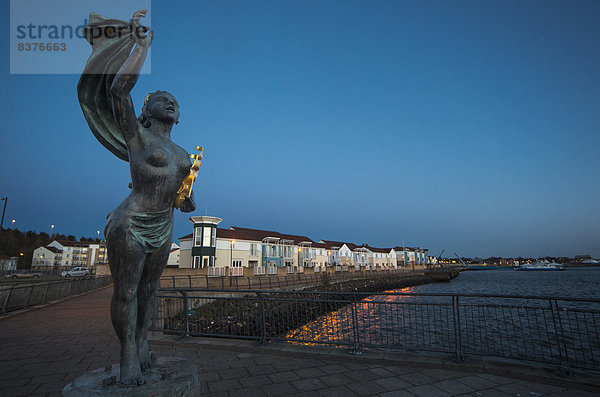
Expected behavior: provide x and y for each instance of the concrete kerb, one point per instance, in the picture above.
(36, 307)
(523, 371)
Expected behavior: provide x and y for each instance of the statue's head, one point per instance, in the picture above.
(159, 105)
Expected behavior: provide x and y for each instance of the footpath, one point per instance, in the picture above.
(43, 349)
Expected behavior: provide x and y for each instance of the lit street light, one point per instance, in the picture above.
(12, 224)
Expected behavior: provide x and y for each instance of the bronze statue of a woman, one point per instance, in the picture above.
(139, 231)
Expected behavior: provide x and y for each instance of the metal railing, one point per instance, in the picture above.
(22, 296)
(561, 331)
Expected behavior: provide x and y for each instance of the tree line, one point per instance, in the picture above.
(14, 242)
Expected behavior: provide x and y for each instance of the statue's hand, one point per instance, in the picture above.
(139, 31)
(188, 204)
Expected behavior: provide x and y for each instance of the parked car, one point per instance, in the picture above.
(23, 275)
(75, 272)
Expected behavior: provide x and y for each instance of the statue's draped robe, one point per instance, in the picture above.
(109, 51)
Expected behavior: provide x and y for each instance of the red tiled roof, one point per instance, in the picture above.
(330, 244)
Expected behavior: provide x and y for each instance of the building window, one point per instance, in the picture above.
(288, 263)
(197, 237)
(213, 241)
(236, 263)
(253, 251)
(208, 261)
(206, 239)
(196, 262)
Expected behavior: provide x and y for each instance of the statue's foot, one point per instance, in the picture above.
(131, 375)
(145, 356)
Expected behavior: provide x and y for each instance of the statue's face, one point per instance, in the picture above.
(164, 107)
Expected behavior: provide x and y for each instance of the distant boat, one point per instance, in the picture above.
(541, 265)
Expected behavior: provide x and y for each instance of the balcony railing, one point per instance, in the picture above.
(271, 269)
(236, 271)
(290, 269)
(300, 269)
(216, 271)
(259, 270)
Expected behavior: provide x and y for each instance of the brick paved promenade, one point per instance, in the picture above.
(43, 349)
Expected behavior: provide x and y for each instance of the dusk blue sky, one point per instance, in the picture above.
(468, 126)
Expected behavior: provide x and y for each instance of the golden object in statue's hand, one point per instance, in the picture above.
(186, 186)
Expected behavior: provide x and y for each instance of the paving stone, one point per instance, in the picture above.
(525, 388)
(453, 387)
(279, 389)
(223, 385)
(337, 391)
(381, 372)
(427, 391)
(397, 393)
(308, 384)
(286, 376)
(334, 369)
(209, 376)
(365, 388)
(335, 379)
(233, 373)
(255, 381)
(501, 380)
(476, 382)
(310, 372)
(418, 378)
(261, 369)
(393, 383)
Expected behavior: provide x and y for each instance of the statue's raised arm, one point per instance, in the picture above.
(109, 75)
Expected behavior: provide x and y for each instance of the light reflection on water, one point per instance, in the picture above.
(427, 323)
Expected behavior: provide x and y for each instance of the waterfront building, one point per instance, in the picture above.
(238, 251)
(8, 263)
(63, 254)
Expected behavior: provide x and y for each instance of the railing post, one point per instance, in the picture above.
(28, 297)
(190, 280)
(69, 289)
(186, 313)
(261, 318)
(45, 293)
(222, 282)
(458, 354)
(355, 348)
(206, 277)
(4, 307)
(173, 279)
(560, 338)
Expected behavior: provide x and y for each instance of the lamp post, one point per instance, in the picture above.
(299, 250)
(231, 253)
(12, 224)
(3, 211)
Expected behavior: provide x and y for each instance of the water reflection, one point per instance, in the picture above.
(518, 328)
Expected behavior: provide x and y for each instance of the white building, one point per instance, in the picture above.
(61, 254)
(8, 263)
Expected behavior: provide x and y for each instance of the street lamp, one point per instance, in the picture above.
(3, 211)
(299, 250)
(12, 224)
(231, 253)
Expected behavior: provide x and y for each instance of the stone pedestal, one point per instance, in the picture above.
(169, 377)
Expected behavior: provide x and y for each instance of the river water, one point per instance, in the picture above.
(574, 282)
(544, 330)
